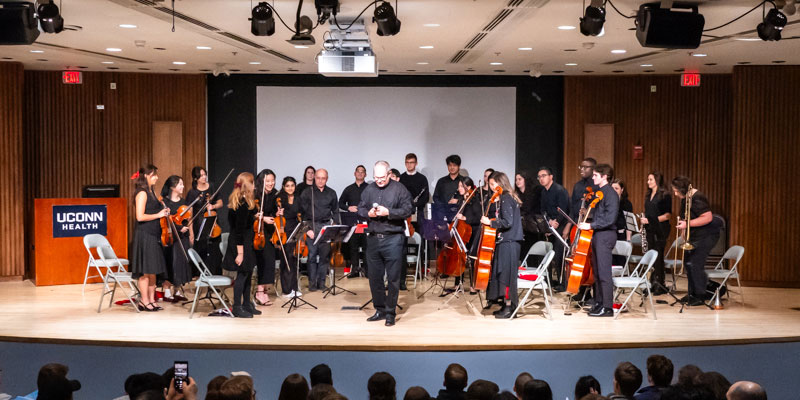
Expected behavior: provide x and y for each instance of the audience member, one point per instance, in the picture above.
(150, 395)
(212, 390)
(520, 382)
(627, 379)
(321, 373)
(482, 390)
(587, 385)
(593, 396)
(455, 380)
(335, 396)
(320, 391)
(294, 387)
(188, 392)
(417, 393)
(659, 375)
(715, 383)
(537, 389)
(381, 386)
(239, 387)
(744, 390)
(687, 374)
(678, 392)
(137, 384)
(506, 395)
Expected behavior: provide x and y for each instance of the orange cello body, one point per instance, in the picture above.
(451, 260)
(579, 267)
(486, 245)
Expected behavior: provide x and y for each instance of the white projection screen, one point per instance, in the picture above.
(337, 128)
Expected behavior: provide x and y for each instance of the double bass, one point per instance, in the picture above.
(579, 260)
(452, 260)
(486, 244)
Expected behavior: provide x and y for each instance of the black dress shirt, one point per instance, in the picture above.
(416, 184)
(446, 188)
(326, 206)
(578, 191)
(660, 205)
(700, 205)
(605, 212)
(395, 197)
(351, 195)
(552, 199)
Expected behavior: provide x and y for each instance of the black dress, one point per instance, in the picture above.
(206, 246)
(508, 222)
(147, 256)
(241, 223)
(289, 272)
(265, 258)
(179, 268)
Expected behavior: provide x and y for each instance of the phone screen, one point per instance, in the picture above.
(181, 374)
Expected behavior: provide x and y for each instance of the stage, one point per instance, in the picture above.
(61, 314)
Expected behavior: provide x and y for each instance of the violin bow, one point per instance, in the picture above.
(208, 201)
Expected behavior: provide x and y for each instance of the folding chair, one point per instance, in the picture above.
(734, 254)
(539, 248)
(209, 281)
(115, 270)
(636, 281)
(669, 261)
(636, 241)
(414, 258)
(97, 265)
(535, 279)
(624, 249)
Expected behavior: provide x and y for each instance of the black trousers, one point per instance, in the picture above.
(356, 241)
(385, 255)
(658, 267)
(503, 281)
(241, 288)
(556, 268)
(318, 269)
(696, 265)
(266, 264)
(288, 272)
(602, 244)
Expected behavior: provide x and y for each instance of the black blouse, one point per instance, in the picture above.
(508, 220)
(700, 206)
(173, 209)
(241, 223)
(660, 204)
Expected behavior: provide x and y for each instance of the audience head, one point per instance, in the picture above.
(237, 388)
(505, 395)
(381, 386)
(744, 390)
(140, 383)
(150, 395)
(212, 390)
(53, 384)
(321, 373)
(593, 396)
(520, 382)
(687, 374)
(417, 393)
(482, 390)
(335, 396)
(659, 370)
(537, 389)
(587, 385)
(294, 387)
(455, 378)
(676, 392)
(714, 382)
(320, 391)
(627, 379)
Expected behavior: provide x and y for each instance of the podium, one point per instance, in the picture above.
(59, 257)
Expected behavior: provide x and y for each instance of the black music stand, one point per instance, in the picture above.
(297, 234)
(437, 230)
(329, 234)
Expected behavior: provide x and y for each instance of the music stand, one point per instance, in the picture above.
(437, 230)
(632, 222)
(329, 234)
(297, 234)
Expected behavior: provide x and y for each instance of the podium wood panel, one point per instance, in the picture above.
(61, 261)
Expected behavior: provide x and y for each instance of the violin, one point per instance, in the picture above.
(579, 260)
(279, 236)
(486, 247)
(182, 216)
(452, 260)
(259, 239)
(301, 248)
(166, 230)
(215, 229)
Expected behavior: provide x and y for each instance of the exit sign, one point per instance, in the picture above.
(690, 80)
(72, 77)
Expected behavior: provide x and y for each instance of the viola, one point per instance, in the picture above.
(486, 245)
(259, 239)
(579, 264)
(300, 248)
(452, 260)
(279, 236)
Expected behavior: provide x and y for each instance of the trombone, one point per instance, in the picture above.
(685, 245)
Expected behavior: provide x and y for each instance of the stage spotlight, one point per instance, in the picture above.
(49, 18)
(262, 23)
(303, 37)
(771, 27)
(593, 19)
(325, 8)
(388, 24)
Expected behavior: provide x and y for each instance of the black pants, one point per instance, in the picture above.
(658, 267)
(385, 255)
(209, 251)
(266, 264)
(356, 241)
(557, 268)
(696, 265)
(288, 272)
(602, 244)
(241, 288)
(318, 269)
(503, 282)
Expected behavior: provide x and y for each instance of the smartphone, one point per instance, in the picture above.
(181, 374)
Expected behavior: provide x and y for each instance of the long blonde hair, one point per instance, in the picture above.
(502, 180)
(242, 188)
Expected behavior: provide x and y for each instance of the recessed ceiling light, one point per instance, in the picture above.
(495, 63)
(113, 49)
(422, 63)
(646, 65)
(749, 39)
(525, 48)
(619, 51)
(106, 62)
(699, 55)
(255, 63)
(571, 64)
(127, 26)
(566, 27)
(431, 25)
(425, 47)
(179, 62)
(300, 47)
(203, 48)
(37, 51)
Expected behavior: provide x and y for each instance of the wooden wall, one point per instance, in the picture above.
(734, 136)
(12, 255)
(70, 143)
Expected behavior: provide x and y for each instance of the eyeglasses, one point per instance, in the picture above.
(381, 178)
(542, 176)
(584, 167)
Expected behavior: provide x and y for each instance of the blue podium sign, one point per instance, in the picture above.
(78, 221)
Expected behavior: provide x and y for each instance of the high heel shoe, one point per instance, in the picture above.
(142, 307)
(259, 302)
(156, 307)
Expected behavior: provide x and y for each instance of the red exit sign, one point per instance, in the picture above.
(690, 80)
(72, 77)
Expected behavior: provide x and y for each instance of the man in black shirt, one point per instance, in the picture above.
(416, 183)
(349, 202)
(446, 190)
(387, 204)
(554, 196)
(579, 190)
(320, 208)
(604, 238)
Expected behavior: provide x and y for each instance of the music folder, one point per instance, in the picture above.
(298, 232)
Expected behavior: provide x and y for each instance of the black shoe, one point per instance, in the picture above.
(684, 299)
(502, 310)
(352, 274)
(559, 288)
(602, 312)
(579, 297)
(505, 312)
(378, 316)
(389, 320)
(695, 301)
(490, 303)
(251, 308)
(595, 308)
(658, 291)
(240, 312)
(403, 286)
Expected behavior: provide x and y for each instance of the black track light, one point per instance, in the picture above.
(771, 27)
(262, 23)
(593, 19)
(388, 24)
(325, 8)
(49, 18)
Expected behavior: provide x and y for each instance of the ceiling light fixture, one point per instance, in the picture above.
(113, 49)
(299, 46)
(772, 25)
(620, 51)
(37, 51)
(571, 64)
(385, 17)
(422, 63)
(699, 54)
(128, 26)
(325, 8)
(525, 48)
(426, 47)
(49, 18)
(646, 65)
(106, 62)
(495, 63)
(179, 62)
(593, 18)
(431, 25)
(255, 63)
(262, 23)
(203, 48)
(566, 27)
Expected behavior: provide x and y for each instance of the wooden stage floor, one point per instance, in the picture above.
(61, 314)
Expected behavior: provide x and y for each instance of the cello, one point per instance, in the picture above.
(579, 260)
(486, 246)
(452, 260)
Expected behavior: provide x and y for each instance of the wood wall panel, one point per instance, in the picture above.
(12, 254)
(70, 143)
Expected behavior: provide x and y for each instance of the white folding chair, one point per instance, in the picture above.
(115, 270)
(209, 281)
(636, 282)
(669, 261)
(535, 279)
(734, 254)
(636, 241)
(624, 249)
(97, 264)
(415, 240)
(539, 248)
